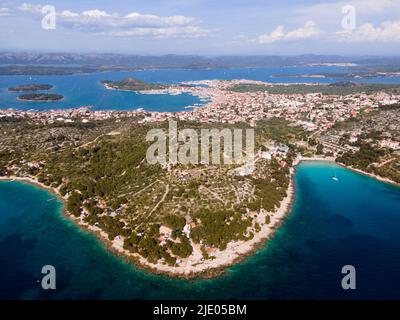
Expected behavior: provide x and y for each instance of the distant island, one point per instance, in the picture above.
(20, 70)
(30, 87)
(171, 61)
(132, 84)
(354, 74)
(40, 97)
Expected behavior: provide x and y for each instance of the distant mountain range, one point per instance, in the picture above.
(183, 61)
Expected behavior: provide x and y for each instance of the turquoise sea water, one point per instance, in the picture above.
(86, 89)
(355, 221)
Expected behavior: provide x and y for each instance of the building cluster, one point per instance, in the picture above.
(312, 111)
(82, 114)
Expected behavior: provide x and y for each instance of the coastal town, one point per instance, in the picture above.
(312, 111)
(315, 112)
(164, 217)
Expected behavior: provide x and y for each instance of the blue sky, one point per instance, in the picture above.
(207, 27)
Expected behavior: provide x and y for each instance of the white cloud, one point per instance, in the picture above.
(133, 24)
(171, 32)
(276, 35)
(280, 34)
(149, 19)
(178, 20)
(31, 8)
(104, 19)
(5, 12)
(101, 21)
(388, 31)
(95, 13)
(308, 31)
(68, 14)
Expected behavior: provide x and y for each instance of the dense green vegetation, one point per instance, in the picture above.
(324, 89)
(369, 159)
(272, 189)
(390, 170)
(30, 87)
(363, 158)
(132, 85)
(372, 127)
(217, 228)
(41, 97)
(279, 130)
(108, 183)
(174, 222)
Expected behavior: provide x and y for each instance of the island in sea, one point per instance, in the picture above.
(195, 220)
(40, 97)
(132, 84)
(138, 86)
(30, 87)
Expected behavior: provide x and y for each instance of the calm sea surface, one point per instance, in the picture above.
(86, 90)
(353, 221)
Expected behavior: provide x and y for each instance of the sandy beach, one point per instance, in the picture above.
(332, 159)
(370, 175)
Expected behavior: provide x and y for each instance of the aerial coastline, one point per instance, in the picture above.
(285, 138)
(371, 175)
(233, 152)
(235, 252)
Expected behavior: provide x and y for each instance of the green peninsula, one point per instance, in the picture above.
(179, 219)
(132, 84)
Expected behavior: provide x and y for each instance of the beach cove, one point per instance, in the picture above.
(330, 225)
(191, 267)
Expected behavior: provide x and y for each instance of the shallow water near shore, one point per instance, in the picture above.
(355, 220)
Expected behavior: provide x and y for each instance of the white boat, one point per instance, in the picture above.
(334, 178)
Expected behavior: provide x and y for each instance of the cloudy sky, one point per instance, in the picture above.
(208, 27)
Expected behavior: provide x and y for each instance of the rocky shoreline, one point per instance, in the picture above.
(235, 252)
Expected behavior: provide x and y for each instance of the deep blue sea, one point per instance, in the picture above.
(352, 221)
(86, 89)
